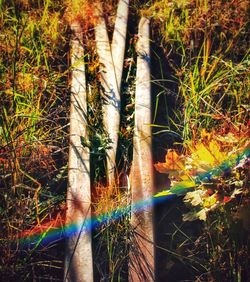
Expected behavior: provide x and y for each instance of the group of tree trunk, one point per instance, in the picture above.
(79, 254)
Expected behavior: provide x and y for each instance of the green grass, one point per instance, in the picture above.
(209, 60)
(212, 89)
(34, 99)
(205, 44)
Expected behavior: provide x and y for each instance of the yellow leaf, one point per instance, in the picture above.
(203, 154)
(215, 151)
(210, 201)
(163, 193)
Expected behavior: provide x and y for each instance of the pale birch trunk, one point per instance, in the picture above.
(141, 267)
(111, 72)
(119, 40)
(78, 261)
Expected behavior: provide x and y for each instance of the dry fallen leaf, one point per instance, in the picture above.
(173, 163)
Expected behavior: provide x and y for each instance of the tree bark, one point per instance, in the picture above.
(141, 267)
(119, 40)
(78, 260)
(111, 106)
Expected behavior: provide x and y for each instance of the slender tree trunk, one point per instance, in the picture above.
(141, 266)
(119, 40)
(111, 106)
(78, 261)
(111, 60)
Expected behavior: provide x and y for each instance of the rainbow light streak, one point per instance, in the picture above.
(55, 233)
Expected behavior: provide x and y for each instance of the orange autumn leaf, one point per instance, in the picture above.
(173, 162)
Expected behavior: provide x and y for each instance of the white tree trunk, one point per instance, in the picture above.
(141, 266)
(111, 107)
(119, 39)
(78, 261)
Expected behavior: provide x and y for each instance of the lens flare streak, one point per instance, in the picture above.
(56, 230)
